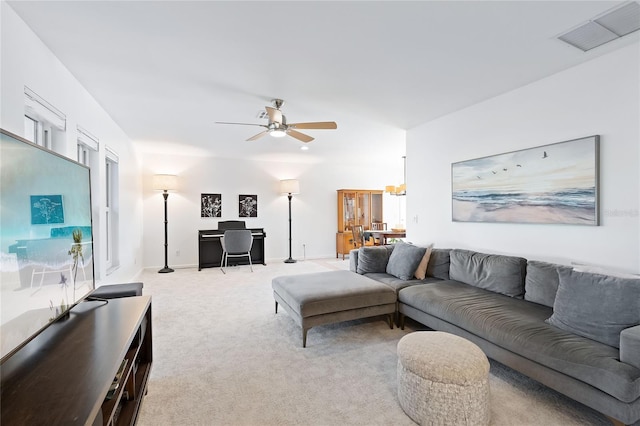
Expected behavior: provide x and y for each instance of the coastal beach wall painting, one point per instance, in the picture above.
(556, 183)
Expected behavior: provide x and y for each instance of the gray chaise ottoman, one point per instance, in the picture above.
(330, 297)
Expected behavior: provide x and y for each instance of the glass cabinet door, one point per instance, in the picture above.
(376, 208)
(350, 210)
(364, 210)
(358, 207)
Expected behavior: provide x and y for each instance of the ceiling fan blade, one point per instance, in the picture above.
(315, 125)
(275, 115)
(300, 136)
(241, 124)
(258, 136)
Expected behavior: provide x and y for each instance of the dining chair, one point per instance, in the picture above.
(378, 226)
(358, 236)
(236, 243)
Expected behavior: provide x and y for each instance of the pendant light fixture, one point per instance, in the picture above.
(402, 188)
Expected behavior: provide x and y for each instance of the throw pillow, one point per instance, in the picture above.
(372, 259)
(421, 270)
(404, 260)
(542, 281)
(596, 306)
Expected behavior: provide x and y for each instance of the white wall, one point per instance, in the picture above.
(26, 61)
(314, 210)
(600, 97)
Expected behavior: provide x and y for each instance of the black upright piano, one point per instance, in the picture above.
(210, 249)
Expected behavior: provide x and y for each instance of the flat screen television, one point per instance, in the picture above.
(46, 239)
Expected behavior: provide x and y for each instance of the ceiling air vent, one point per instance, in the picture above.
(604, 28)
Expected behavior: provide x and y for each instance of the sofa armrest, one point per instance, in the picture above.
(353, 260)
(630, 346)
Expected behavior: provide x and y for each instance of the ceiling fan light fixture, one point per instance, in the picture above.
(277, 125)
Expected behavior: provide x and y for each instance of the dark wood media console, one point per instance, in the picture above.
(63, 376)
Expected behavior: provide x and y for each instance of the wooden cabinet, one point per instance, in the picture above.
(356, 207)
(65, 375)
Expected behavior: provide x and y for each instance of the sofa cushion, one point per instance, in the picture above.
(373, 259)
(519, 326)
(396, 283)
(421, 270)
(596, 306)
(404, 260)
(541, 282)
(438, 266)
(497, 273)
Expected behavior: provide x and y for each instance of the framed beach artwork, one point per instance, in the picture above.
(248, 205)
(210, 205)
(556, 183)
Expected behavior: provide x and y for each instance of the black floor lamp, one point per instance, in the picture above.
(165, 183)
(290, 187)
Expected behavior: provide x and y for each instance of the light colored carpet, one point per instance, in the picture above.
(222, 357)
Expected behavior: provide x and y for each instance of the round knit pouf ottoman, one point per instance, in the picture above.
(443, 379)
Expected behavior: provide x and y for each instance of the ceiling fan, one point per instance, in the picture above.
(279, 127)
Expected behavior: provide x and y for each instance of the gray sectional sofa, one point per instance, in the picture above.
(575, 332)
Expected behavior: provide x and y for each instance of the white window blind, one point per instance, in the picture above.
(38, 108)
(87, 139)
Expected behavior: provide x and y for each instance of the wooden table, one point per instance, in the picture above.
(384, 234)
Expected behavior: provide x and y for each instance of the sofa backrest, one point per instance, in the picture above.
(497, 273)
(438, 266)
(541, 283)
(372, 259)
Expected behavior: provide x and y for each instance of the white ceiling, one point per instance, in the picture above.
(167, 70)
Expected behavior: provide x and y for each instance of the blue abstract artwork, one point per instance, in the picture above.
(46, 209)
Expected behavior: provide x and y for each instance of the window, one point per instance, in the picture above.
(83, 155)
(111, 210)
(44, 124)
(30, 128)
(87, 154)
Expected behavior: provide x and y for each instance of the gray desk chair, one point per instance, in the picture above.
(236, 243)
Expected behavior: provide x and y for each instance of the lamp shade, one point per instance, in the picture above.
(290, 186)
(165, 182)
